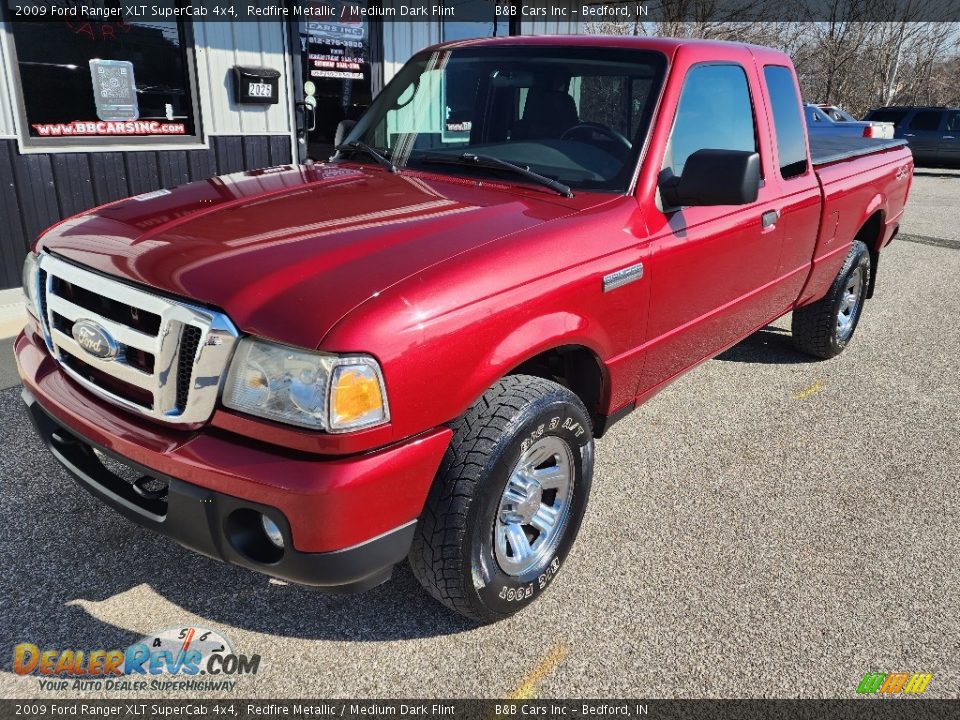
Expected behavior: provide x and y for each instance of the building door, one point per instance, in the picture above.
(336, 72)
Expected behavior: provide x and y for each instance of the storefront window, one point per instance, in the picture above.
(475, 19)
(99, 83)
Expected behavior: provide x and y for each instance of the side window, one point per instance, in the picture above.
(953, 123)
(786, 120)
(714, 112)
(926, 120)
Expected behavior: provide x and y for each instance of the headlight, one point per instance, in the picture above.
(315, 390)
(31, 282)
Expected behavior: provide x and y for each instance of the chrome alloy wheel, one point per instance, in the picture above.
(849, 305)
(534, 506)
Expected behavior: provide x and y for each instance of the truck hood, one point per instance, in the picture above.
(287, 252)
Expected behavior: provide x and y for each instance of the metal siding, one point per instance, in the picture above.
(174, 169)
(33, 175)
(221, 45)
(8, 126)
(402, 39)
(279, 146)
(202, 163)
(109, 177)
(143, 175)
(229, 152)
(13, 239)
(256, 152)
(71, 176)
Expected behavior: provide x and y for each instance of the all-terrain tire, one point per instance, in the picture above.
(824, 328)
(455, 550)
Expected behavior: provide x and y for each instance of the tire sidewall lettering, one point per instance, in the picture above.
(503, 593)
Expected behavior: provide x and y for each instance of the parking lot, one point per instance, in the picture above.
(768, 526)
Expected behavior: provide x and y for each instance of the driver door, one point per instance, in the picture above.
(712, 269)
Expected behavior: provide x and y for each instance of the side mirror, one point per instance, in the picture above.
(714, 177)
(343, 129)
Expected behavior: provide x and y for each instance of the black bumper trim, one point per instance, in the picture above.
(196, 517)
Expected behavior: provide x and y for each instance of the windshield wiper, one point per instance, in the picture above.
(372, 152)
(495, 162)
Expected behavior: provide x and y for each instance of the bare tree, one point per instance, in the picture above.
(845, 57)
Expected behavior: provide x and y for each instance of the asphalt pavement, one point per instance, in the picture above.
(768, 526)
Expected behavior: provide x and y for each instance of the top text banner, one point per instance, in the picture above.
(619, 17)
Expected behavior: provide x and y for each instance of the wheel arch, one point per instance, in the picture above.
(575, 366)
(871, 234)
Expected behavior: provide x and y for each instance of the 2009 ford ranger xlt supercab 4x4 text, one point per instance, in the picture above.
(318, 371)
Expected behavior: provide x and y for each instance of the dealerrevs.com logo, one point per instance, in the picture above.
(184, 658)
(894, 683)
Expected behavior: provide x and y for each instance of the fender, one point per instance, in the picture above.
(549, 331)
(877, 203)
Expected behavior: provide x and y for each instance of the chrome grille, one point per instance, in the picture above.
(169, 357)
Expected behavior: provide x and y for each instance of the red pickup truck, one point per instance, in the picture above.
(407, 352)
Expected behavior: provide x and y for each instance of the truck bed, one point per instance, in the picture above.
(825, 150)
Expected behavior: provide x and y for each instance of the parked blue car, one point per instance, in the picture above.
(829, 120)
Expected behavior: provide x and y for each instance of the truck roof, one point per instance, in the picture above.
(666, 45)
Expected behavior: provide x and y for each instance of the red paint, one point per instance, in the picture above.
(330, 503)
(451, 285)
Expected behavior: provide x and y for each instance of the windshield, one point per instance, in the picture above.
(575, 115)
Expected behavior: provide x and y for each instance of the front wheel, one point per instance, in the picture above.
(824, 328)
(507, 503)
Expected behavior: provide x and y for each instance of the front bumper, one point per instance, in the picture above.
(345, 521)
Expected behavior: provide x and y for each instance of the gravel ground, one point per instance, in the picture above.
(767, 526)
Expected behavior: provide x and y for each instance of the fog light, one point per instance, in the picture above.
(272, 531)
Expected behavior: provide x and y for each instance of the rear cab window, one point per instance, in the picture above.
(787, 121)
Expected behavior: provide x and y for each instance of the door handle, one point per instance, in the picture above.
(908, 135)
(949, 137)
(769, 218)
(309, 116)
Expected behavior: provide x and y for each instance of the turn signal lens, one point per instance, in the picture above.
(356, 397)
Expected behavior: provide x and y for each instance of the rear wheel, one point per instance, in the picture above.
(824, 328)
(507, 502)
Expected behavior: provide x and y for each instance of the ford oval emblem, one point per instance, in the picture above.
(95, 340)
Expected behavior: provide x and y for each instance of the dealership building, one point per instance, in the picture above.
(94, 111)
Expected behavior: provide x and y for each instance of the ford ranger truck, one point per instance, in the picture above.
(407, 352)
